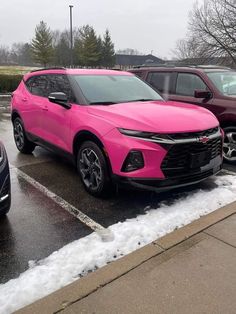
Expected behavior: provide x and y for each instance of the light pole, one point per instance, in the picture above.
(71, 37)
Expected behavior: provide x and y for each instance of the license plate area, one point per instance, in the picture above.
(199, 159)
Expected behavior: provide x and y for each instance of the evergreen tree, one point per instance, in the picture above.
(25, 57)
(108, 52)
(62, 50)
(100, 50)
(41, 45)
(87, 47)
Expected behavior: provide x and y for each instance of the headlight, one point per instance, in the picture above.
(136, 133)
(148, 136)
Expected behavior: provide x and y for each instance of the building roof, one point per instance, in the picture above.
(131, 60)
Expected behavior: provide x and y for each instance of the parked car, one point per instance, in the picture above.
(115, 128)
(5, 186)
(211, 87)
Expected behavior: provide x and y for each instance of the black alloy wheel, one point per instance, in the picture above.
(22, 143)
(92, 167)
(229, 146)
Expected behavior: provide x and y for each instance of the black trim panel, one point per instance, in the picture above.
(55, 149)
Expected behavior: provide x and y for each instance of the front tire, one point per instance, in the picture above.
(93, 169)
(22, 143)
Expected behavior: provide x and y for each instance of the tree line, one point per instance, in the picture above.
(53, 48)
(211, 32)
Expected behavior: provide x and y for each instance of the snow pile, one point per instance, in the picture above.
(79, 257)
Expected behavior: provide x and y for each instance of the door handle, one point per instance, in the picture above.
(24, 99)
(45, 108)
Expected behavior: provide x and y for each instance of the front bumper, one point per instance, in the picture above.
(160, 185)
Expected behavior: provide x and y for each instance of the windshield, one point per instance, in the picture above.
(112, 89)
(224, 81)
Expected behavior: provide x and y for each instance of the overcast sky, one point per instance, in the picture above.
(146, 25)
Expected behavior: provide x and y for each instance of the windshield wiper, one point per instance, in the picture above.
(123, 101)
(103, 103)
(141, 99)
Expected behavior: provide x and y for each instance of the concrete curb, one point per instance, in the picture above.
(81, 288)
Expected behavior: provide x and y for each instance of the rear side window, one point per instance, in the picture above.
(43, 85)
(37, 85)
(187, 83)
(160, 81)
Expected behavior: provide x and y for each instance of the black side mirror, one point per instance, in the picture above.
(60, 99)
(202, 94)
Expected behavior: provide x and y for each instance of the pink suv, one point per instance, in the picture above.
(115, 128)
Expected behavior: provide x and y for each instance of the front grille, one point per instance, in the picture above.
(178, 160)
(180, 136)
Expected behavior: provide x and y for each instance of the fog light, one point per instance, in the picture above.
(133, 161)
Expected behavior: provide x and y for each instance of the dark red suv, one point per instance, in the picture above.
(208, 86)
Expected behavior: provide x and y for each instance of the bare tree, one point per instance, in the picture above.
(4, 55)
(186, 48)
(212, 29)
(21, 54)
(214, 25)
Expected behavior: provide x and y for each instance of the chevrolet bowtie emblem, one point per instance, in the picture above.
(203, 139)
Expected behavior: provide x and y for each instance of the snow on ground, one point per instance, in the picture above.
(77, 258)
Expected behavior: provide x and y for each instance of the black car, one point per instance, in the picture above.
(5, 185)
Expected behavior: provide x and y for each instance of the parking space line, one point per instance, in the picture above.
(104, 233)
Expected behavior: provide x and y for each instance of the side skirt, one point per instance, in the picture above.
(55, 149)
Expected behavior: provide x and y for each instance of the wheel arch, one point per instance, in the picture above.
(83, 136)
(86, 135)
(226, 124)
(15, 114)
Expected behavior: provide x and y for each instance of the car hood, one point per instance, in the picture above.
(157, 116)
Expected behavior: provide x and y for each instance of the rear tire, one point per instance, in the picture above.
(93, 169)
(22, 143)
(229, 146)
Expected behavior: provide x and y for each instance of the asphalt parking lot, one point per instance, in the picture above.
(36, 225)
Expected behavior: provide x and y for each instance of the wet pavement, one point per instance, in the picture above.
(36, 226)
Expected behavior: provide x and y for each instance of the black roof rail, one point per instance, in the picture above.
(172, 65)
(210, 66)
(164, 65)
(45, 69)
